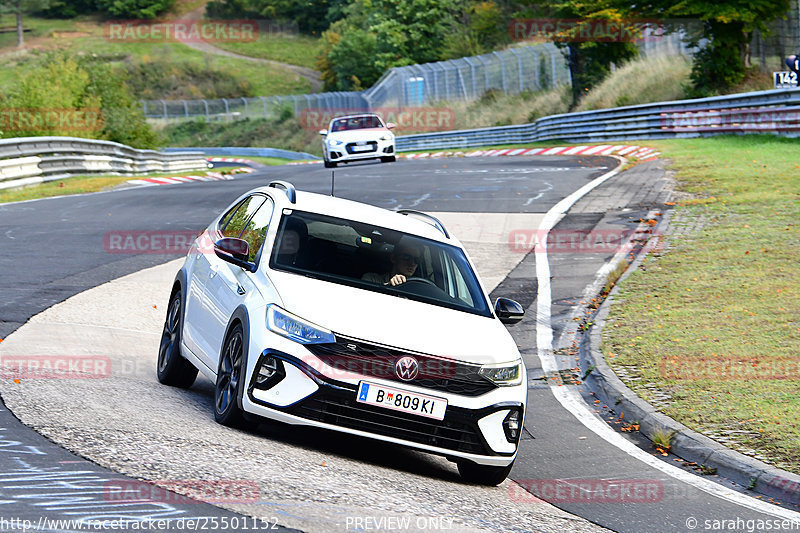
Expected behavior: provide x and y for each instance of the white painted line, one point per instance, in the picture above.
(571, 400)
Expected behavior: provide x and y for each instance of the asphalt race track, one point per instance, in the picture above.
(54, 249)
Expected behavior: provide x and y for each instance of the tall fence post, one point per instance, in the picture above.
(185, 109)
(502, 70)
(245, 107)
(164, 109)
(519, 69)
(205, 104)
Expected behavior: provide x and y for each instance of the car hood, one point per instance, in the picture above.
(358, 135)
(396, 322)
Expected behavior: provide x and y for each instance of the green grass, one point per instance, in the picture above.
(713, 321)
(84, 36)
(75, 185)
(294, 49)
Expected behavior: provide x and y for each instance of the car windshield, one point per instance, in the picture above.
(356, 123)
(365, 256)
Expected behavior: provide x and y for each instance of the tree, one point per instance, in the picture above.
(19, 8)
(144, 9)
(589, 54)
(69, 97)
(727, 25)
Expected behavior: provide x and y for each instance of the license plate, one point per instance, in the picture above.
(365, 148)
(401, 400)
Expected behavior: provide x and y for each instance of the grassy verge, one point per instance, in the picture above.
(87, 184)
(294, 49)
(709, 330)
(85, 36)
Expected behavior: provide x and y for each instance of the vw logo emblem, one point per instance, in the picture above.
(406, 368)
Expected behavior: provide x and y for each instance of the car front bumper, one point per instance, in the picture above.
(312, 393)
(350, 151)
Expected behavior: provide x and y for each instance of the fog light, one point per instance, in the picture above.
(269, 367)
(512, 425)
(270, 372)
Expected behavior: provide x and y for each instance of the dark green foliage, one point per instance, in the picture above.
(726, 25)
(64, 87)
(311, 16)
(123, 119)
(69, 8)
(171, 80)
(136, 9)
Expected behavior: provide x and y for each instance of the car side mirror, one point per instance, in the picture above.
(323, 132)
(234, 251)
(508, 311)
(391, 125)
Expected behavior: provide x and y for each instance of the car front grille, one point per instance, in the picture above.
(373, 147)
(458, 431)
(371, 360)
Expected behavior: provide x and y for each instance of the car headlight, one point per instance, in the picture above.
(335, 142)
(295, 328)
(503, 375)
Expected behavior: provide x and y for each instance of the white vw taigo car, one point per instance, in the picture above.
(355, 138)
(292, 303)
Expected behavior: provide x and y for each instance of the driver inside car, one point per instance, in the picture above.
(405, 259)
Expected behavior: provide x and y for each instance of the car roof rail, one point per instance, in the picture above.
(425, 217)
(291, 193)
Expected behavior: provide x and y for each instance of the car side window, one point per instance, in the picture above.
(255, 232)
(238, 221)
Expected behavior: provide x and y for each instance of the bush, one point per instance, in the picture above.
(76, 91)
(137, 9)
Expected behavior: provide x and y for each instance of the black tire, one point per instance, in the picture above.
(482, 474)
(230, 375)
(329, 164)
(172, 368)
(390, 159)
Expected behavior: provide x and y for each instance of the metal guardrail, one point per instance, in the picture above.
(247, 152)
(756, 112)
(30, 160)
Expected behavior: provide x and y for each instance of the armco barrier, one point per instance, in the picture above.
(248, 152)
(29, 160)
(775, 112)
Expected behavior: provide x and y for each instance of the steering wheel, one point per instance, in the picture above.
(420, 280)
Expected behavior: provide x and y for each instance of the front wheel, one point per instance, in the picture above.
(172, 368)
(229, 380)
(329, 164)
(389, 159)
(483, 474)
